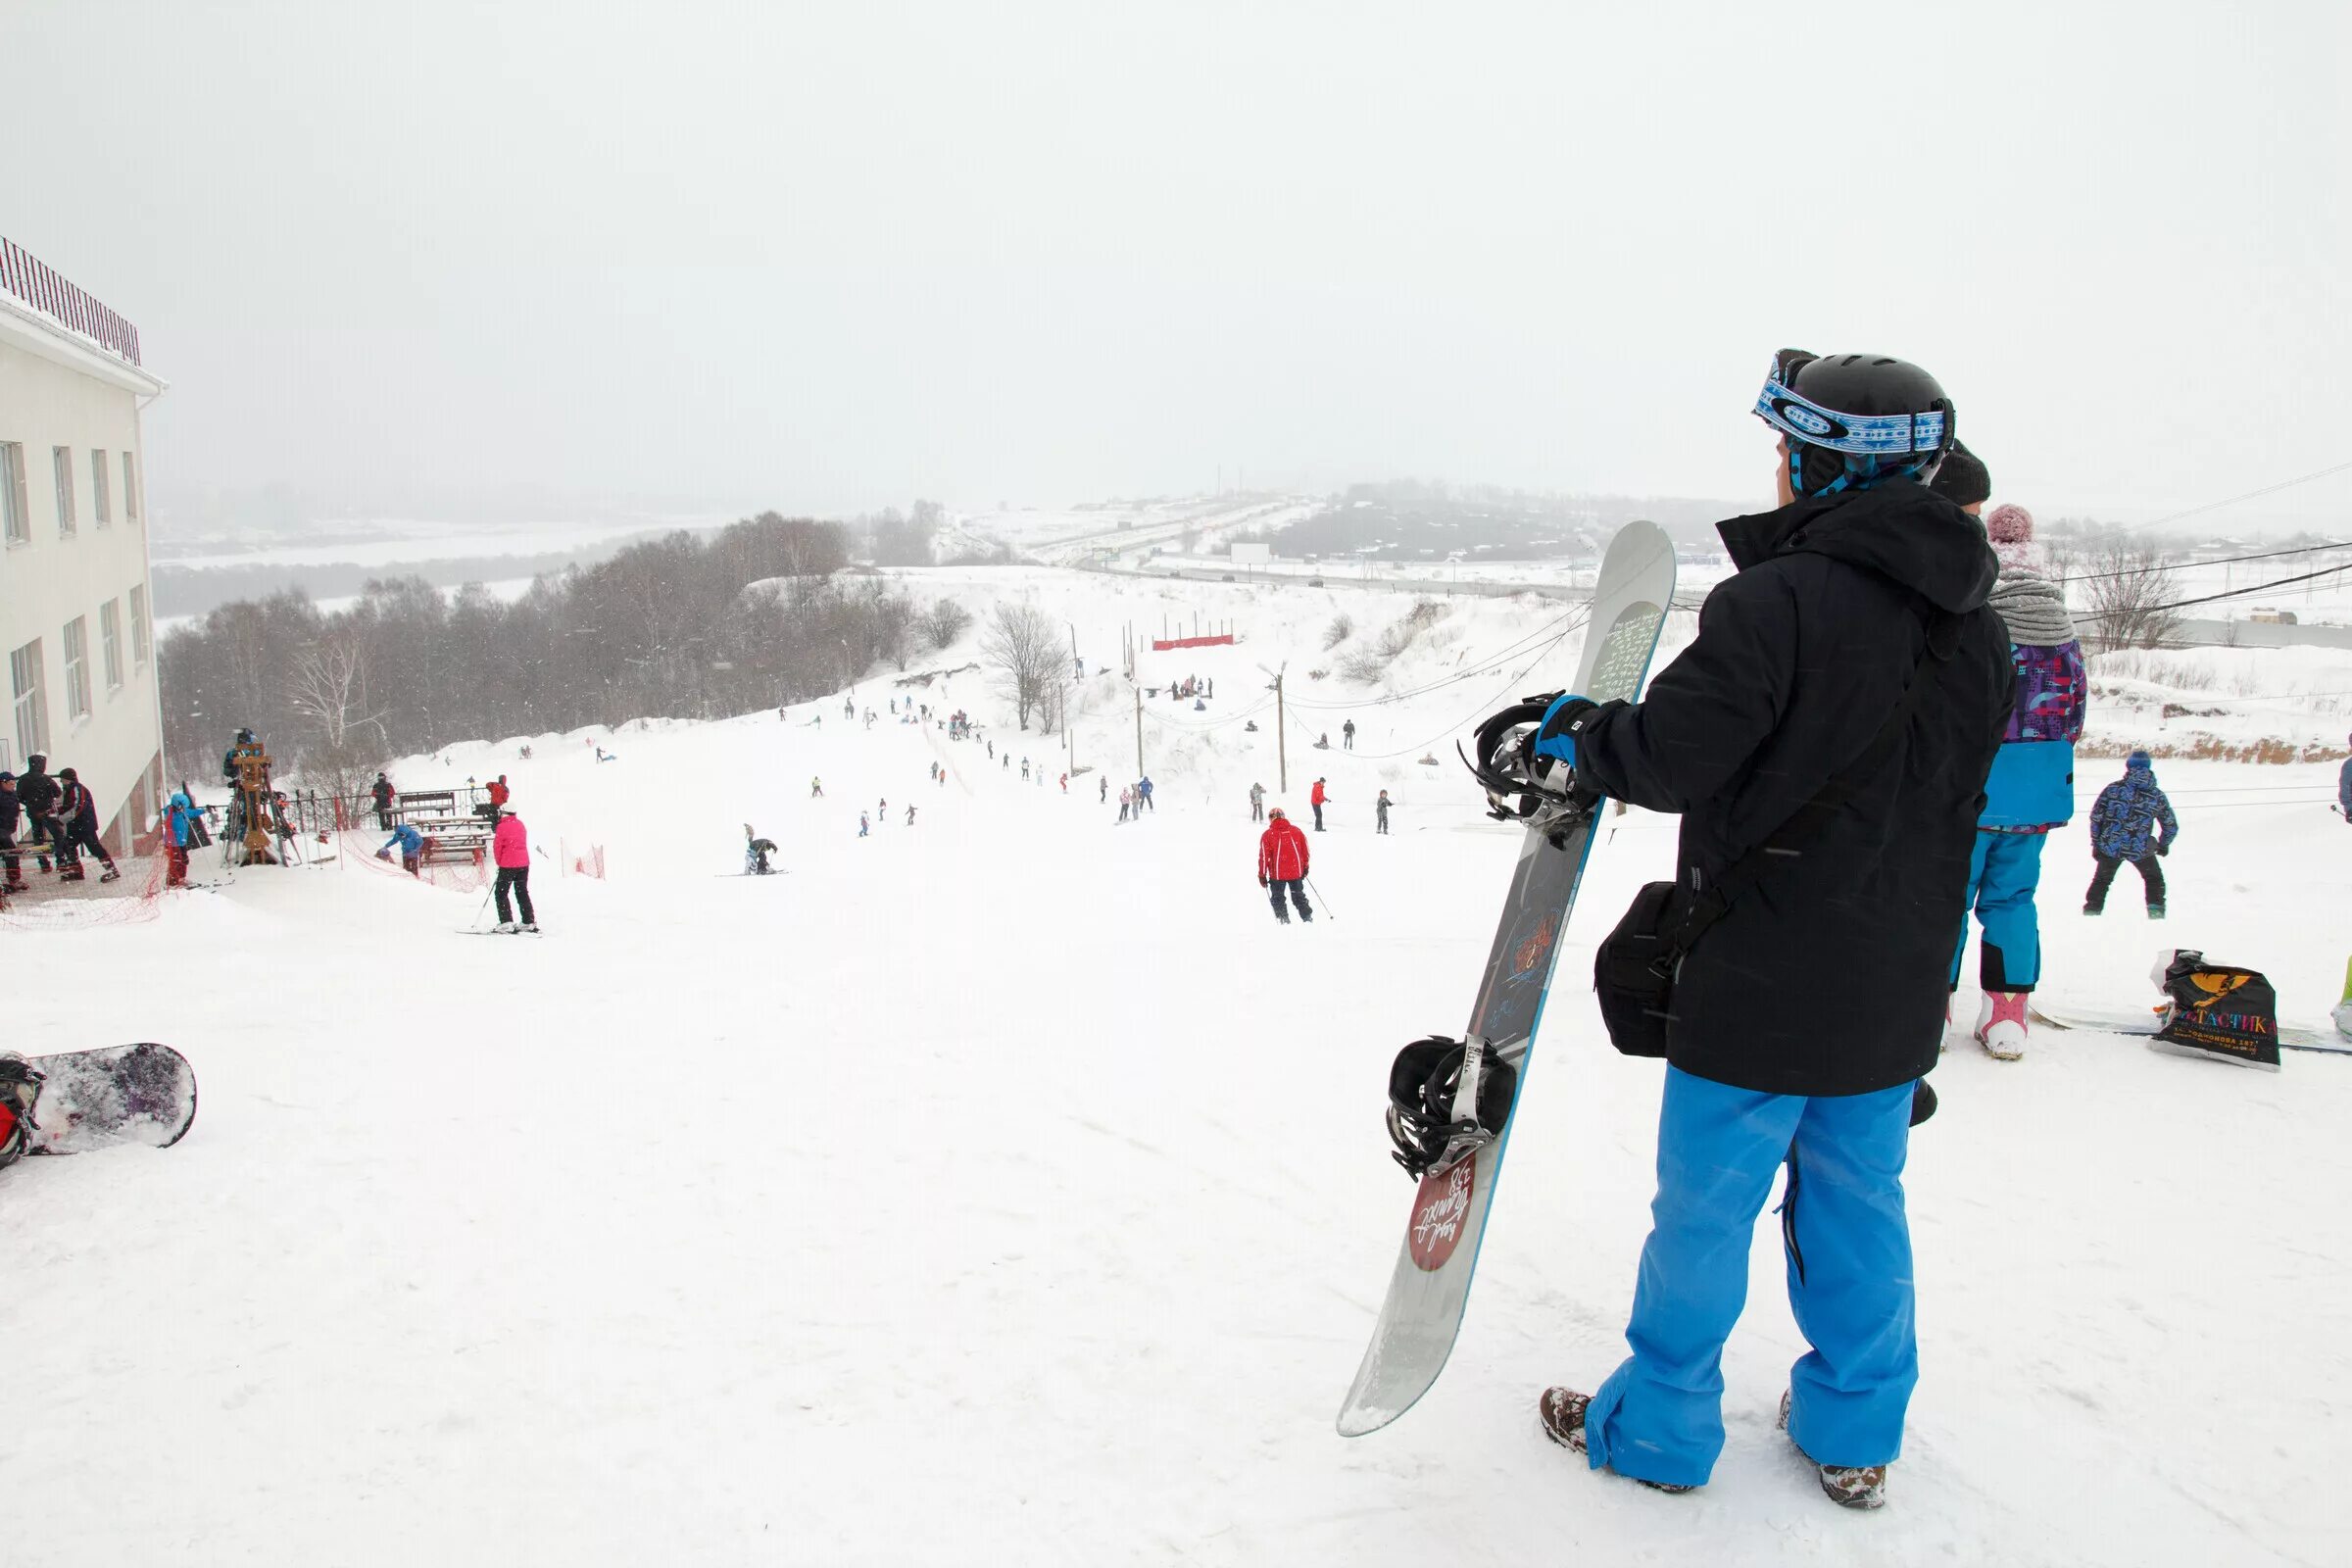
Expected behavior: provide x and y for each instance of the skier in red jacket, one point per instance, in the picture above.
(1315, 798)
(1282, 865)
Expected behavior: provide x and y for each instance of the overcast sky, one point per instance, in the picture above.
(828, 256)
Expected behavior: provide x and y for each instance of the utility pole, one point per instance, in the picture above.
(1139, 730)
(1282, 738)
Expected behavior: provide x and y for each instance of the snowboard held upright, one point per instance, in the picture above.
(1428, 1288)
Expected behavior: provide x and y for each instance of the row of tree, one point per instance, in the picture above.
(763, 612)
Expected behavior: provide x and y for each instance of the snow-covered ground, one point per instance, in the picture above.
(1009, 1188)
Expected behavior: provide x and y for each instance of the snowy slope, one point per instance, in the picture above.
(1008, 1188)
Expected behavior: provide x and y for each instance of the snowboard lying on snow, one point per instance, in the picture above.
(2146, 1022)
(142, 1093)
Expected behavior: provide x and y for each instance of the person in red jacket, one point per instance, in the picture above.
(1282, 865)
(510, 847)
(1315, 798)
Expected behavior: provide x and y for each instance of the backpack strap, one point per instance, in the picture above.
(1703, 907)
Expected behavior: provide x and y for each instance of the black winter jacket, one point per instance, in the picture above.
(1829, 976)
(39, 790)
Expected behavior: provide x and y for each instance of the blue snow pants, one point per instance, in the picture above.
(2002, 874)
(1660, 1416)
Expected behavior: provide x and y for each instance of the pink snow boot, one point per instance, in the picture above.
(2001, 1024)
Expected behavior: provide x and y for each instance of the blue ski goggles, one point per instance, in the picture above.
(1868, 436)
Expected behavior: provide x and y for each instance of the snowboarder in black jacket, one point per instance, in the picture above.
(78, 810)
(1803, 1019)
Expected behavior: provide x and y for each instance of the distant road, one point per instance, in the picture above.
(1439, 587)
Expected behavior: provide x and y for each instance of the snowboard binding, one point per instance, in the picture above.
(1518, 784)
(1424, 1081)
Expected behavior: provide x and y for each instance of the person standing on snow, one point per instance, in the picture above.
(816, 789)
(385, 795)
(10, 808)
(510, 847)
(863, 826)
(78, 812)
(38, 792)
(1282, 865)
(911, 814)
(1347, 735)
(2031, 788)
(1126, 802)
(1102, 795)
(1380, 813)
(1315, 798)
(1142, 795)
(2131, 820)
(180, 831)
(2343, 786)
(412, 849)
(1859, 600)
(1257, 802)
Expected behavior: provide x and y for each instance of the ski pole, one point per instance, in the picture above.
(1319, 898)
(483, 909)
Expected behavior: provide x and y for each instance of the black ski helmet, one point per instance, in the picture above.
(1854, 421)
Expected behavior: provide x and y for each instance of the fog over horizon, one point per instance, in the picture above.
(533, 260)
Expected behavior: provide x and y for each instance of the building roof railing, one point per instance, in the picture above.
(32, 281)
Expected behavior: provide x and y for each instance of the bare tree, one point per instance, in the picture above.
(945, 622)
(343, 737)
(2127, 591)
(1026, 650)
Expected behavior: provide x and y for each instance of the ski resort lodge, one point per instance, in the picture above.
(74, 618)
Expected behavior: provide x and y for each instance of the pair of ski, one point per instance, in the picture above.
(1428, 1286)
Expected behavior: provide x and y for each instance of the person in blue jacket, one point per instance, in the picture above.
(180, 817)
(412, 848)
(2032, 787)
(2133, 821)
(2343, 787)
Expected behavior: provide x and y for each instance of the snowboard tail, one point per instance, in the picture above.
(1428, 1288)
(2146, 1023)
(140, 1094)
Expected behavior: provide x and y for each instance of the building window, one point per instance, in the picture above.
(77, 668)
(131, 489)
(109, 641)
(100, 511)
(139, 625)
(33, 700)
(61, 459)
(12, 492)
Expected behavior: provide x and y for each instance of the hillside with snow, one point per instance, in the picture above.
(1007, 1186)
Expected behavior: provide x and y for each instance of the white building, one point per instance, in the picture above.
(74, 618)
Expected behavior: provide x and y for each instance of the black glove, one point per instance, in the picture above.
(2164, 848)
(1262, 879)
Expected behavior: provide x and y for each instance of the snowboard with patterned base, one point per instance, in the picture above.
(142, 1093)
(1429, 1289)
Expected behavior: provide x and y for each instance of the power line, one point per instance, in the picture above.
(2259, 588)
(2251, 495)
(2217, 561)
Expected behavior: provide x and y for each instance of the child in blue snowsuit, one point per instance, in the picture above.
(412, 848)
(2131, 820)
(2031, 789)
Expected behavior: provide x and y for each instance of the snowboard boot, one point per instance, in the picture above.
(2001, 1024)
(111, 874)
(1848, 1485)
(2155, 911)
(72, 873)
(1563, 1412)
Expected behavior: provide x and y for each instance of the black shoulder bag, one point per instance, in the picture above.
(1635, 967)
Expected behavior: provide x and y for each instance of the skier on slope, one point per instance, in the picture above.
(1143, 795)
(910, 815)
(863, 826)
(1753, 721)
(2031, 788)
(1380, 813)
(2131, 820)
(510, 847)
(1282, 861)
(1257, 802)
(1347, 735)
(1103, 794)
(1316, 798)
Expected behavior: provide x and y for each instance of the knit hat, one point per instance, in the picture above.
(2138, 760)
(2009, 524)
(1962, 478)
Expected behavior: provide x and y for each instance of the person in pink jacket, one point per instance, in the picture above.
(510, 847)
